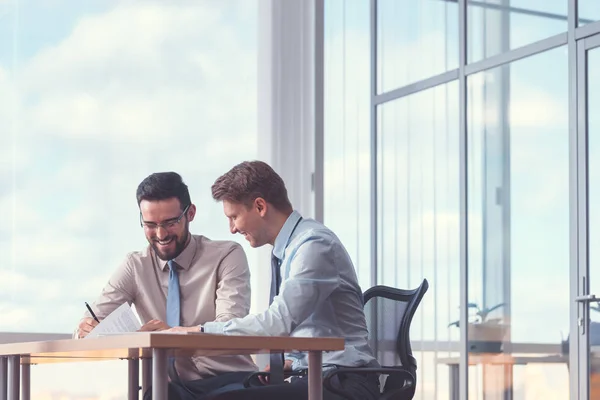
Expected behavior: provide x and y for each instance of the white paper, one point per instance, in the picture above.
(122, 320)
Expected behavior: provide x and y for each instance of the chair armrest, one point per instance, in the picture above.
(409, 380)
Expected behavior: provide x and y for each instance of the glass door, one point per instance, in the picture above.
(586, 341)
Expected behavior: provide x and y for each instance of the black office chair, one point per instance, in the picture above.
(389, 312)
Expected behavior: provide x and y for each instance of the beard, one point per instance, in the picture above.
(180, 243)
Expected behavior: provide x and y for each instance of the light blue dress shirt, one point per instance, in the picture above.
(319, 296)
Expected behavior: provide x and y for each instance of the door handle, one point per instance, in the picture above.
(588, 298)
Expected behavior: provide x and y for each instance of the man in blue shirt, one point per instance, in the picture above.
(315, 292)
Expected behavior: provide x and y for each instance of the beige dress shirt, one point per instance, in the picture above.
(214, 281)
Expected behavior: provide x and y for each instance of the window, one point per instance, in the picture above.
(95, 96)
(495, 27)
(418, 218)
(519, 216)
(415, 40)
(347, 180)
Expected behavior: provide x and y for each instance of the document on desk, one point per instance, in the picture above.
(122, 320)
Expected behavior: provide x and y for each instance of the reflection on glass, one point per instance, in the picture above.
(418, 218)
(94, 96)
(594, 214)
(415, 40)
(518, 196)
(588, 11)
(347, 194)
(498, 26)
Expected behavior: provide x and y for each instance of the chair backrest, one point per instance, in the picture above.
(389, 313)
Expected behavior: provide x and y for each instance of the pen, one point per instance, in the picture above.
(91, 312)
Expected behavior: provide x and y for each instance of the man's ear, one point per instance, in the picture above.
(261, 206)
(191, 212)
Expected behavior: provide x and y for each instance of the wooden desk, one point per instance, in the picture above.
(153, 349)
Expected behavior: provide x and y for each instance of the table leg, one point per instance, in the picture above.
(160, 383)
(3, 378)
(146, 374)
(13, 377)
(315, 375)
(508, 382)
(133, 382)
(454, 382)
(25, 381)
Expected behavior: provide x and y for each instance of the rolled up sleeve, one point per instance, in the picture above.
(233, 294)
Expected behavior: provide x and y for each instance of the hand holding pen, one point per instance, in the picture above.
(92, 312)
(86, 325)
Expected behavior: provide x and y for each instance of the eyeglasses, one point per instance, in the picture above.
(168, 224)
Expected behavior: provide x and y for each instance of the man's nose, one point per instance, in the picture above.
(232, 227)
(161, 233)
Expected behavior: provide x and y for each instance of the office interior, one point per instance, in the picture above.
(447, 140)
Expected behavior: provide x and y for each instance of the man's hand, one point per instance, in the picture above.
(85, 326)
(287, 366)
(154, 325)
(178, 329)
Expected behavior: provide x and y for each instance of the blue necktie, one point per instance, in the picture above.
(275, 278)
(173, 310)
(173, 297)
(276, 359)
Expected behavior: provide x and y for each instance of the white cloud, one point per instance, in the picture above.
(152, 73)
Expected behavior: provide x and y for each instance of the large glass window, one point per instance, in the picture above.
(498, 26)
(518, 196)
(418, 220)
(347, 181)
(588, 11)
(415, 40)
(94, 96)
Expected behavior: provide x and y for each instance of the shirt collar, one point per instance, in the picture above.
(184, 260)
(283, 238)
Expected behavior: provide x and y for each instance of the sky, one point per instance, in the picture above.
(95, 96)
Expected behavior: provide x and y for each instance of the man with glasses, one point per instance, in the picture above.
(180, 280)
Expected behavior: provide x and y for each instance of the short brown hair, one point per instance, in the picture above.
(250, 180)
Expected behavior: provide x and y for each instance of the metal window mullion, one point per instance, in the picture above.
(587, 30)
(463, 147)
(517, 54)
(579, 382)
(373, 151)
(319, 109)
(416, 87)
(591, 42)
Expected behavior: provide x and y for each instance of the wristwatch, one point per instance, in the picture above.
(202, 328)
